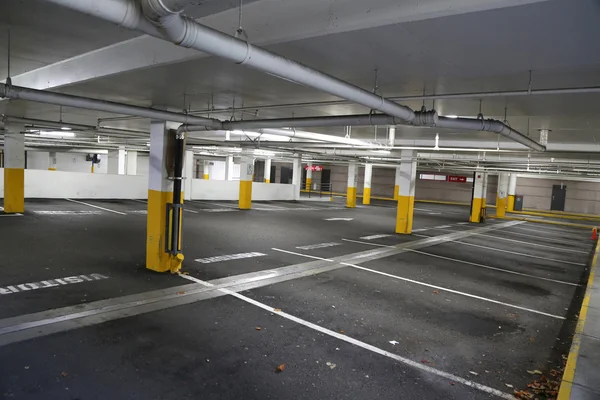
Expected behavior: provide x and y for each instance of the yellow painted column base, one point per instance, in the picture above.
(351, 198)
(157, 259)
(14, 190)
(308, 183)
(404, 216)
(366, 196)
(396, 191)
(245, 200)
(51, 169)
(205, 177)
(511, 203)
(500, 207)
(476, 210)
(267, 181)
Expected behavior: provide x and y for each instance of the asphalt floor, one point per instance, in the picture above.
(289, 300)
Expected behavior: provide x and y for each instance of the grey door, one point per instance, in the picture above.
(559, 194)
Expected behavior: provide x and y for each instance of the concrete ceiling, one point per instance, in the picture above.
(435, 47)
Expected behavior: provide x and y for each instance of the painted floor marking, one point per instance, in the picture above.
(11, 215)
(218, 210)
(367, 243)
(57, 212)
(562, 240)
(190, 211)
(229, 257)
(338, 219)
(550, 231)
(539, 245)
(302, 255)
(220, 204)
(140, 201)
(356, 342)
(436, 287)
(318, 246)
(462, 223)
(493, 268)
(142, 212)
(25, 287)
(98, 207)
(442, 227)
(421, 230)
(513, 252)
(422, 209)
(374, 237)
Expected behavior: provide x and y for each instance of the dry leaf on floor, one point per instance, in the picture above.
(64, 374)
(435, 292)
(180, 292)
(341, 331)
(277, 309)
(280, 368)
(509, 385)
(473, 373)
(534, 372)
(258, 328)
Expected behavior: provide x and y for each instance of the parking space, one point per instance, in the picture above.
(347, 307)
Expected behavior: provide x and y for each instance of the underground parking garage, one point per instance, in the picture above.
(269, 199)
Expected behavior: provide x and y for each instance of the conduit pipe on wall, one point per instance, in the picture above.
(186, 32)
(66, 100)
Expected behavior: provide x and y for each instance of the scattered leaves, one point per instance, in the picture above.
(452, 383)
(27, 367)
(330, 365)
(341, 331)
(435, 292)
(64, 374)
(508, 385)
(473, 373)
(180, 292)
(258, 328)
(184, 273)
(277, 309)
(280, 368)
(534, 372)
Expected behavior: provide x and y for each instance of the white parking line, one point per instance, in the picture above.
(11, 215)
(367, 243)
(430, 285)
(318, 246)
(374, 236)
(563, 241)
(229, 257)
(492, 268)
(356, 342)
(140, 201)
(537, 244)
(551, 231)
(98, 207)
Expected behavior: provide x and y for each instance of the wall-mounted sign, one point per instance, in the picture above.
(460, 179)
(316, 168)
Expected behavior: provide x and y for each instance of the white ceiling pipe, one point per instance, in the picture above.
(489, 125)
(66, 100)
(188, 33)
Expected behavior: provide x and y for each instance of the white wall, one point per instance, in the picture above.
(272, 191)
(230, 190)
(143, 164)
(38, 160)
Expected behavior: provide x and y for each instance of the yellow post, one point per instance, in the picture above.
(206, 170)
(352, 181)
(478, 202)
(246, 172)
(397, 183)
(501, 196)
(406, 196)
(308, 175)
(512, 190)
(267, 173)
(160, 192)
(367, 184)
(14, 173)
(52, 161)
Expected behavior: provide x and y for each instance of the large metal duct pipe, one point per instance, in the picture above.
(489, 125)
(186, 32)
(40, 96)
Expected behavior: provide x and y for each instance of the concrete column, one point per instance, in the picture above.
(397, 182)
(352, 182)
(297, 175)
(206, 170)
(512, 191)
(116, 162)
(246, 173)
(52, 161)
(229, 168)
(14, 169)
(367, 187)
(309, 175)
(131, 168)
(160, 193)
(479, 194)
(406, 192)
(268, 170)
(188, 174)
(502, 194)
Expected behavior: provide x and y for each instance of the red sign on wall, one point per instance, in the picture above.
(316, 168)
(460, 179)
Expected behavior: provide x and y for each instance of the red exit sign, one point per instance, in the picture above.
(460, 179)
(316, 168)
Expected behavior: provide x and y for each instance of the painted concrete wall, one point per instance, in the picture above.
(229, 190)
(75, 162)
(582, 197)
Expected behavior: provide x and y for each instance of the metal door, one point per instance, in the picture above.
(559, 195)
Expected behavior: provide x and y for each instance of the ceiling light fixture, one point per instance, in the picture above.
(57, 133)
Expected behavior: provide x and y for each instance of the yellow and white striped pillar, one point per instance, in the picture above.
(479, 194)
(160, 192)
(406, 192)
(52, 161)
(188, 174)
(297, 175)
(512, 191)
(502, 194)
(367, 184)
(246, 173)
(14, 169)
(131, 163)
(397, 183)
(352, 183)
(267, 173)
(309, 175)
(206, 170)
